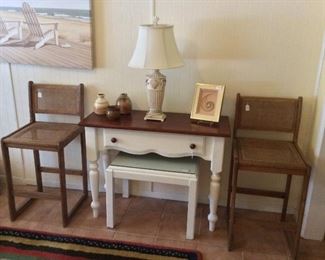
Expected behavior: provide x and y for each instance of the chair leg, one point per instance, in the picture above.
(109, 179)
(13, 211)
(84, 164)
(286, 198)
(38, 170)
(301, 214)
(63, 190)
(232, 204)
(229, 186)
(191, 209)
(10, 188)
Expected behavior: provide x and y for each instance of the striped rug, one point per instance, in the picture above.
(22, 244)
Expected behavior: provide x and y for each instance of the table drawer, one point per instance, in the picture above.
(166, 144)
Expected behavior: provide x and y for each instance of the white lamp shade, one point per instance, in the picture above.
(156, 48)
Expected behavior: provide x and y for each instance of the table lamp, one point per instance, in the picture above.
(155, 49)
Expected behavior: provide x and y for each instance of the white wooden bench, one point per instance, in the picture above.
(154, 168)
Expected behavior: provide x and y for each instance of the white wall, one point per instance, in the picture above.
(268, 48)
(314, 222)
(8, 117)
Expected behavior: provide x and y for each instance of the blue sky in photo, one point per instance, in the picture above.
(63, 4)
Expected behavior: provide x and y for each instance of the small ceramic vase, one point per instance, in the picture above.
(124, 103)
(101, 104)
(113, 113)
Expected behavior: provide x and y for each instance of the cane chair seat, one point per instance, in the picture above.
(271, 154)
(44, 135)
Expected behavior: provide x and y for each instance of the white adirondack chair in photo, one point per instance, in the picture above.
(35, 29)
(10, 30)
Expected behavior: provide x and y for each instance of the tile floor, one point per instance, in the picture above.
(258, 235)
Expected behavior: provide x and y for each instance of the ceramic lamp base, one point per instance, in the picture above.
(155, 116)
(155, 84)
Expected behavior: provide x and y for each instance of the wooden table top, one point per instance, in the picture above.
(178, 123)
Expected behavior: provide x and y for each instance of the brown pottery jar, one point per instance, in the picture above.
(113, 113)
(124, 103)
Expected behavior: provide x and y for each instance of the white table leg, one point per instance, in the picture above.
(216, 169)
(214, 198)
(94, 186)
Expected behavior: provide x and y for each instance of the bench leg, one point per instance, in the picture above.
(109, 198)
(191, 209)
(125, 189)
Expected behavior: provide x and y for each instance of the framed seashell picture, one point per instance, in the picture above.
(207, 102)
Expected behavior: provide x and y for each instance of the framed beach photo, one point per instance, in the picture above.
(207, 102)
(54, 33)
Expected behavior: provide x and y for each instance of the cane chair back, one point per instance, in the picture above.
(268, 114)
(49, 99)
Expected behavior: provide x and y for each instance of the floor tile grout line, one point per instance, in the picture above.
(133, 234)
(200, 225)
(130, 198)
(162, 215)
(286, 243)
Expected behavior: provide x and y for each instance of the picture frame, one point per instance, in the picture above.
(207, 102)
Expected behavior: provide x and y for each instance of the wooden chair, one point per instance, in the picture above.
(35, 29)
(47, 136)
(269, 156)
(7, 32)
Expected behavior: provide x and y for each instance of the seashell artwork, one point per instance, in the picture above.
(207, 102)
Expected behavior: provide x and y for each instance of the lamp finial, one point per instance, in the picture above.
(155, 20)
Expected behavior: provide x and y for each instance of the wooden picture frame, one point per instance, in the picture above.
(207, 102)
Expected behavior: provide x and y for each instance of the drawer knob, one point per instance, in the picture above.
(113, 140)
(192, 146)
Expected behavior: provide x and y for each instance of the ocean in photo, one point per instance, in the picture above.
(73, 14)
